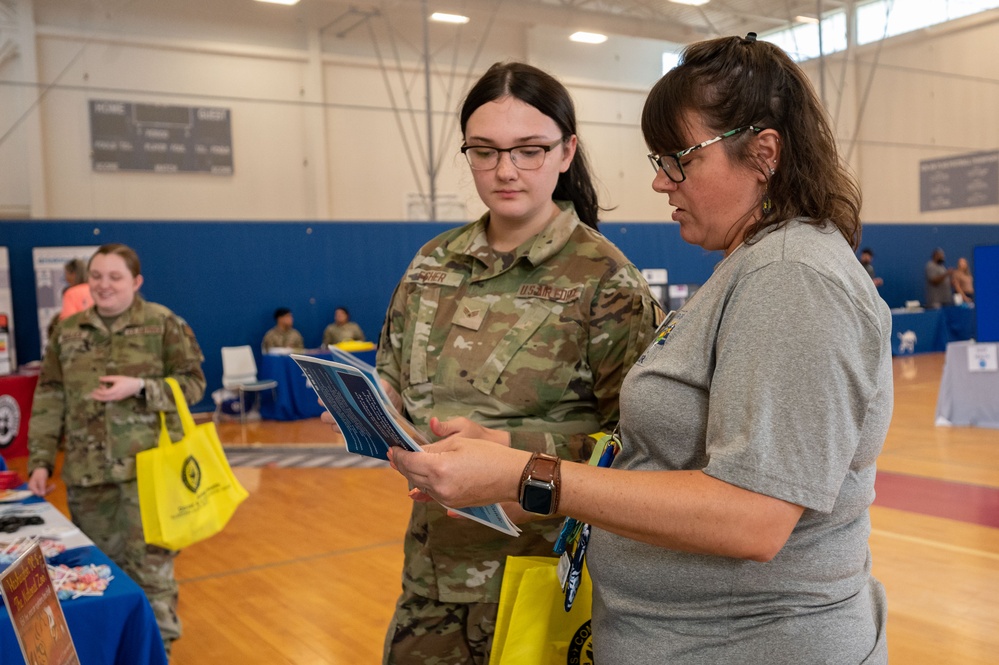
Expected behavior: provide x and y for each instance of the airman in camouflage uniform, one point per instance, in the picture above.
(335, 333)
(277, 338)
(536, 342)
(147, 341)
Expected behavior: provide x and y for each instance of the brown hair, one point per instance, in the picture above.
(542, 91)
(125, 252)
(733, 82)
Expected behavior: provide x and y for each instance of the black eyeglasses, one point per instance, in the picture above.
(524, 157)
(671, 165)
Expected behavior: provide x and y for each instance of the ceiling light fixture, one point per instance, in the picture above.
(806, 19)
(280, 2)
(588, 37)
(693, 3)
(441, 17)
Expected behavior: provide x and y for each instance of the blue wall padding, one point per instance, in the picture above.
(987, 292)
(226, 278)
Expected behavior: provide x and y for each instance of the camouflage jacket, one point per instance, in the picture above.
(336, 333)
(101, 438)
(536, 342)
(275, 338)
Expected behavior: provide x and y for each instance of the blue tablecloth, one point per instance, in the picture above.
(294, 398)
(117, 628)
(931, 330)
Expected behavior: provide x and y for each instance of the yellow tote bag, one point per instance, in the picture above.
(532, 627)
(186, 489)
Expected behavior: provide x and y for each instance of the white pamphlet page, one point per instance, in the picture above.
(370, 424)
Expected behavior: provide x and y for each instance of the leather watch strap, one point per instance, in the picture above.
(544, 468)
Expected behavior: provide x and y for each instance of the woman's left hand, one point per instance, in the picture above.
(116, 388)
(459, 472)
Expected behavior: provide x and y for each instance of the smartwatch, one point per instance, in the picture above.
(539, 484)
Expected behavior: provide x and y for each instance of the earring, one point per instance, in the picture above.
(772, 172)
(768, 205)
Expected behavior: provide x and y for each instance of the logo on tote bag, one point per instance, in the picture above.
(191, 473)
(581, 647)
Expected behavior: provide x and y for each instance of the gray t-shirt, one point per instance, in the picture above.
(938, 295)
(775, 377)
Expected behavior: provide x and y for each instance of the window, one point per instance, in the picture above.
(887, 18)
(802, 41)
(670, 60)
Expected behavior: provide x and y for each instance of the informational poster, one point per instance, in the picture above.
(657, 278)
(160, 138)
(50, 281)
(679, 294)
(8, 357)
(35, 612)
(963, 181)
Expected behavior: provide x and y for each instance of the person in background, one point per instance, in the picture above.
(938, 281)
(101, 389)
(867, 260)
(733, 525)
(342, 329)
(76, 297)
(76, 294)
(525, 321)
(963, 282)
(283, 335)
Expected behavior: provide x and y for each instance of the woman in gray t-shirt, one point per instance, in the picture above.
(733, 525)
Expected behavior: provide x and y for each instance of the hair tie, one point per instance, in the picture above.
(749, 38)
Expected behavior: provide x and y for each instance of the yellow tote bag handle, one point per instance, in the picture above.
(186, 419)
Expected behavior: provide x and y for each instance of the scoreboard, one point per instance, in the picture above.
(160, 138)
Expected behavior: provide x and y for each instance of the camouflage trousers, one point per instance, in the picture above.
(109, 515)
(430, 632)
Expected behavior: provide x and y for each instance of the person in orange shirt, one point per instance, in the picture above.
(75, 297)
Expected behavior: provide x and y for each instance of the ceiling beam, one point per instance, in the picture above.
(535, 12)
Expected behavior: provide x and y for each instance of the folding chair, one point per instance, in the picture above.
(239, 374)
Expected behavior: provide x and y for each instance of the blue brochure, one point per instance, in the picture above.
(370, 424)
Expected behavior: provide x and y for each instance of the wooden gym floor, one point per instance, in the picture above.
(308, 570)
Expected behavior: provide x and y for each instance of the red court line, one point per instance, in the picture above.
(974, 504)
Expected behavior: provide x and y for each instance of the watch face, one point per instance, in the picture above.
(537, 498)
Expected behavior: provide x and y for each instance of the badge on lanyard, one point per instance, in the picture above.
(575, 535)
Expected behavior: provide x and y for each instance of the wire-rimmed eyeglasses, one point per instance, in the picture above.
(524, 157)
(673, 167)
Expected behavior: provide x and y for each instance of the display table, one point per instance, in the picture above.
(117, 628)
(294, 398)
(968, 398)
(931, 330)
(16, 394)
